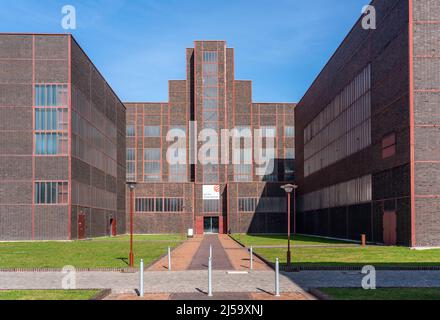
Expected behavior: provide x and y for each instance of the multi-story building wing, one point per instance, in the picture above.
(207, 197)
(62, 142)
(367, 134)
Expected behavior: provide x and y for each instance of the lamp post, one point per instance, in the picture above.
(289, 188)
(131, 186)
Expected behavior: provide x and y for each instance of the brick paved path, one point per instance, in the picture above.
(239, 256)
(181, 257)
(220, 260)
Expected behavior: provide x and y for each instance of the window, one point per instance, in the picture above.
(152, 168)
(247, 204)
(51, 120)
(159, 205)
(268, 131)
(51, 192)
(145, 205)
(152, 171)
(177, 173)
(211, 206)
(289, 132)
(152, 131)
(152, 154)
(210, 56)
(50, 143)
(389, 146)
(290, 153)
(51, 95)
(243, 172)
(131, 164)
(131, 131)
(271, 176)
(173, 205)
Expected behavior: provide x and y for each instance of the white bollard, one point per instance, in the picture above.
(277, 278)
(210, 251)
(252, 258)
(210, 277)
(169, 258)
(141, 279)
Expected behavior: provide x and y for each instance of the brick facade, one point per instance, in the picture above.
(28, 60)
(235, 108)
(403, 97)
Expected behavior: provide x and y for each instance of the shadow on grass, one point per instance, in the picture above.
(299, 238)
(124, 260)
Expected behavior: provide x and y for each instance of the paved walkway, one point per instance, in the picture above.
(353, 279)
(220, 260)
(181, 256)
(155, 282)
(239, 256)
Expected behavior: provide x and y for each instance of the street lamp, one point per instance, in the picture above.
(131, 186)
(289, 188)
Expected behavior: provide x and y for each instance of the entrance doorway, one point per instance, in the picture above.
(390, 228)
(211, 225)
(113, 231)
(81, 226)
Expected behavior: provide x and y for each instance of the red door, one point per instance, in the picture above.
(390, 228)
(113, 227)
(81, 226)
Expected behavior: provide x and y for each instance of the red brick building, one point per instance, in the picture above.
(62, 142)
(367, 132)
(207, 197)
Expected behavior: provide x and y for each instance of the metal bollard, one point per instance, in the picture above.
(252, 258)
(141, 279)
(210, 251)
(210, 277)
(169, 258)
(277, 278)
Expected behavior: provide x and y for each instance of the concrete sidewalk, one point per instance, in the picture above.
(156, 282)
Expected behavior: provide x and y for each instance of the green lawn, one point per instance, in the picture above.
(47, 294)
(281, 240)
(341, 256)
(383, 294)
(110, 253)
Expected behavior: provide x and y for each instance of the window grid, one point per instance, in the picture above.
(51, 120)
(342, 128)
(131, 164)
(152, 164)
(51, 192)
(154, 205)
(210, 106)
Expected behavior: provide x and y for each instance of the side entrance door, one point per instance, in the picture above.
(113, 227)
(81, 226)
(390, 228)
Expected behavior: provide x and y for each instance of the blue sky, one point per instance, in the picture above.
(138, 45)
